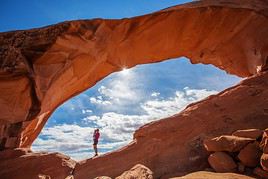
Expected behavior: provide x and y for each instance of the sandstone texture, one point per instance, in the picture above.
(30, 165)
(226, 143)
(250, 155)
(222, 162)
(250, 160)
(181, 148)
(212, 175)
(249, 133)
(137, 172)
(42, 68)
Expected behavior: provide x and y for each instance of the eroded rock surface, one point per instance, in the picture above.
(181, 148)
(22, 163)
(42, 68)
(226, 143)
(222, 162)
(212, 175)
(137, 172)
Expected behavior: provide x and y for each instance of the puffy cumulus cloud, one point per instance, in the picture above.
(159, 108)
(99, 100)
(72, 140)
(116, 129)
(75, 141)
(123, 89)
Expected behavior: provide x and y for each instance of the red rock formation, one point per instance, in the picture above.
(42, 68)
(226, 143)
(54, 63)
(212, 175)
(249, 133)
(250, 155)
(137, 172)
(222, 162)
(21, 163)
(180, 149)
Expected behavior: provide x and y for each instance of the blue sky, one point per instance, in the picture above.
(123, 101)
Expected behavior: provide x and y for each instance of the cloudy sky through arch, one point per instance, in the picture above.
(126, 100)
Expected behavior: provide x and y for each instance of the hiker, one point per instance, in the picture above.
(96, 136)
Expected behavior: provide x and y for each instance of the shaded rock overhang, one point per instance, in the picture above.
(41, 68)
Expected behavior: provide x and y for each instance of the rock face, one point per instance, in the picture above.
(25, 164)
(182, 149)
(221, 162)
(42, 68)
(212, 175)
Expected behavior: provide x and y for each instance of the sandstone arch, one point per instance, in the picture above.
(41, 68)
(54, 63)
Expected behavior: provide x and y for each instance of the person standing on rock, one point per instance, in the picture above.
(96, 136)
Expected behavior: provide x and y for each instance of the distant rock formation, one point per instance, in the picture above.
(42, 68)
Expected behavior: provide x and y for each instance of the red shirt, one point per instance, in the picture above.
(96, 136)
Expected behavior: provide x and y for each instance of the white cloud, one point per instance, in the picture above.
(155, 94)
(116, 129)
(99, 100)
(84, 111)
(123, 89)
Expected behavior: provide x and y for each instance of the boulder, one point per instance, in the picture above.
(260, 173)
(249, 133)
(37, 165)
(264, 161)
(226, 143)
(212, 175)
(103, 177)
(250, 155)
(222, 162)
(137, 172)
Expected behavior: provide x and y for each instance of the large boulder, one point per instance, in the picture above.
(250, 155)
(212, 175)
(248, 133)
(222, 162)
(37, 165)
(137, 172)
(226, 143)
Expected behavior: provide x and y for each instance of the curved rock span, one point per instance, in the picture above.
(42, 68)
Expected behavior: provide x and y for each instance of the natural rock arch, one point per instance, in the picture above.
(41, 68)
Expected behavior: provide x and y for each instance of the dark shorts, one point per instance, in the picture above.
(95, 142)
